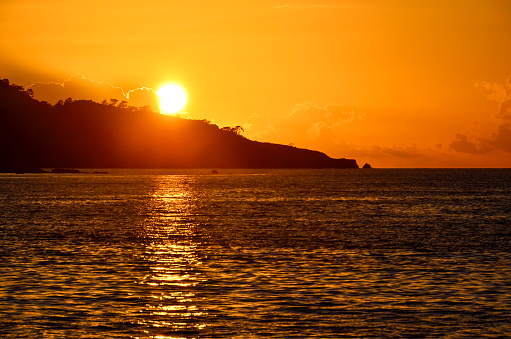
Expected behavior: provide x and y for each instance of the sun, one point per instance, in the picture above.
(172, 99)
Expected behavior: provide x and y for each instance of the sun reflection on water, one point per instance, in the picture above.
(172, 252)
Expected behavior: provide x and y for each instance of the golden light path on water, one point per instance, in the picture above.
(173, 261)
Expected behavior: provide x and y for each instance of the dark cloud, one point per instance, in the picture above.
(505, 110)
(463, 144)
(501, 139)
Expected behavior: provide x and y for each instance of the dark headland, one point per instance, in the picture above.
(86, 134)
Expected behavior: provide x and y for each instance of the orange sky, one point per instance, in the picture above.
(392, 83)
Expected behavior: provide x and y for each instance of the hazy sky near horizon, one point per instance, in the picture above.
(393, 83)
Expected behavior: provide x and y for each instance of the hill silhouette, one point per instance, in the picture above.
(87, 134)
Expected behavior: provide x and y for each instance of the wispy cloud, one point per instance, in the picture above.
(307, 6)
(323, 121)
(307, 125)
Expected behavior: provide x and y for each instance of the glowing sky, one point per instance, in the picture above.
(392, 83)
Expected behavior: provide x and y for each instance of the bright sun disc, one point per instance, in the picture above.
(172, 99)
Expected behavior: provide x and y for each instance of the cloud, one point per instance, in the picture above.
(306, 126)
(464, 144)
(505, 110)
(502, 139)
(79, 87)
(500, 93)
(495, 92)
(309, 6)
(499, 140)
(320, 122)
(142, 97)
(330, 111)
(397, 151)
(258, 126)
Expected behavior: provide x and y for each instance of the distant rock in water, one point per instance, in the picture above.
(21, 170)
(86, 134)
(366, 166)
(65, 170)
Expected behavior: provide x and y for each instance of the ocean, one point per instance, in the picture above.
(379, 253)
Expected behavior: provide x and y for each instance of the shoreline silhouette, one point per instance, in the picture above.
(87, 134)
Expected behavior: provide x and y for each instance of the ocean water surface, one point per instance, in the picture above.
(256, 253)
